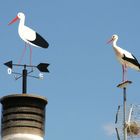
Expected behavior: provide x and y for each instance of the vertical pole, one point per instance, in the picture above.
(24, 80)
(124, 115)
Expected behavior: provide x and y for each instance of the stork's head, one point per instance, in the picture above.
(114, 38)
(20, 15)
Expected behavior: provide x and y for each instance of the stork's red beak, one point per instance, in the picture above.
(14, 20)
(110, 41)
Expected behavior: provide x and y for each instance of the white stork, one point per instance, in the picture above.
(28, 35)
(126, 58)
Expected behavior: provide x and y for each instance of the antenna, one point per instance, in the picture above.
(123, 86)
(42, 67)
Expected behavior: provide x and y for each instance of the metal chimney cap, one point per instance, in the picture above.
(17, 97)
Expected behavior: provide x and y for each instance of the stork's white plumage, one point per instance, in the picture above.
(126, 58)
(28, 35)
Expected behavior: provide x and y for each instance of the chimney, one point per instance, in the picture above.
(23, 117)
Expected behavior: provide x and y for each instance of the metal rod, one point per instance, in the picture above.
(124, 113)
(24, 80)
(20, 65)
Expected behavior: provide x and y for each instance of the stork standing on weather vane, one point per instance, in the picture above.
(29, 36)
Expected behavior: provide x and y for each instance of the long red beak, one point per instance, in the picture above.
(14, 20)
(110, 41)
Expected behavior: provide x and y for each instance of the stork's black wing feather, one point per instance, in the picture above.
(40, 41)
(131, 60)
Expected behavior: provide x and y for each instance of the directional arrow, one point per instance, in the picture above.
(43, 67)
(9, 64)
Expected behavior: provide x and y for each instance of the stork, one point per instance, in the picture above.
(126, 58)
(28, 35)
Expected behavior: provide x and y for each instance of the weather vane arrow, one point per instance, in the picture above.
(9, 64)
(42, 67)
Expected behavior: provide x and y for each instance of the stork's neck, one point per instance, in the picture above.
(115, 43)
(22, 22)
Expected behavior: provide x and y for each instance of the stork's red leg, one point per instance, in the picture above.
(124, 69)
(30, 55)
(23, 53)
(123, 72)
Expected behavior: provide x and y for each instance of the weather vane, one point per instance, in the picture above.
(42, 67)
(31, 38)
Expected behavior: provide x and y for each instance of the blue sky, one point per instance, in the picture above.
(81, 86)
